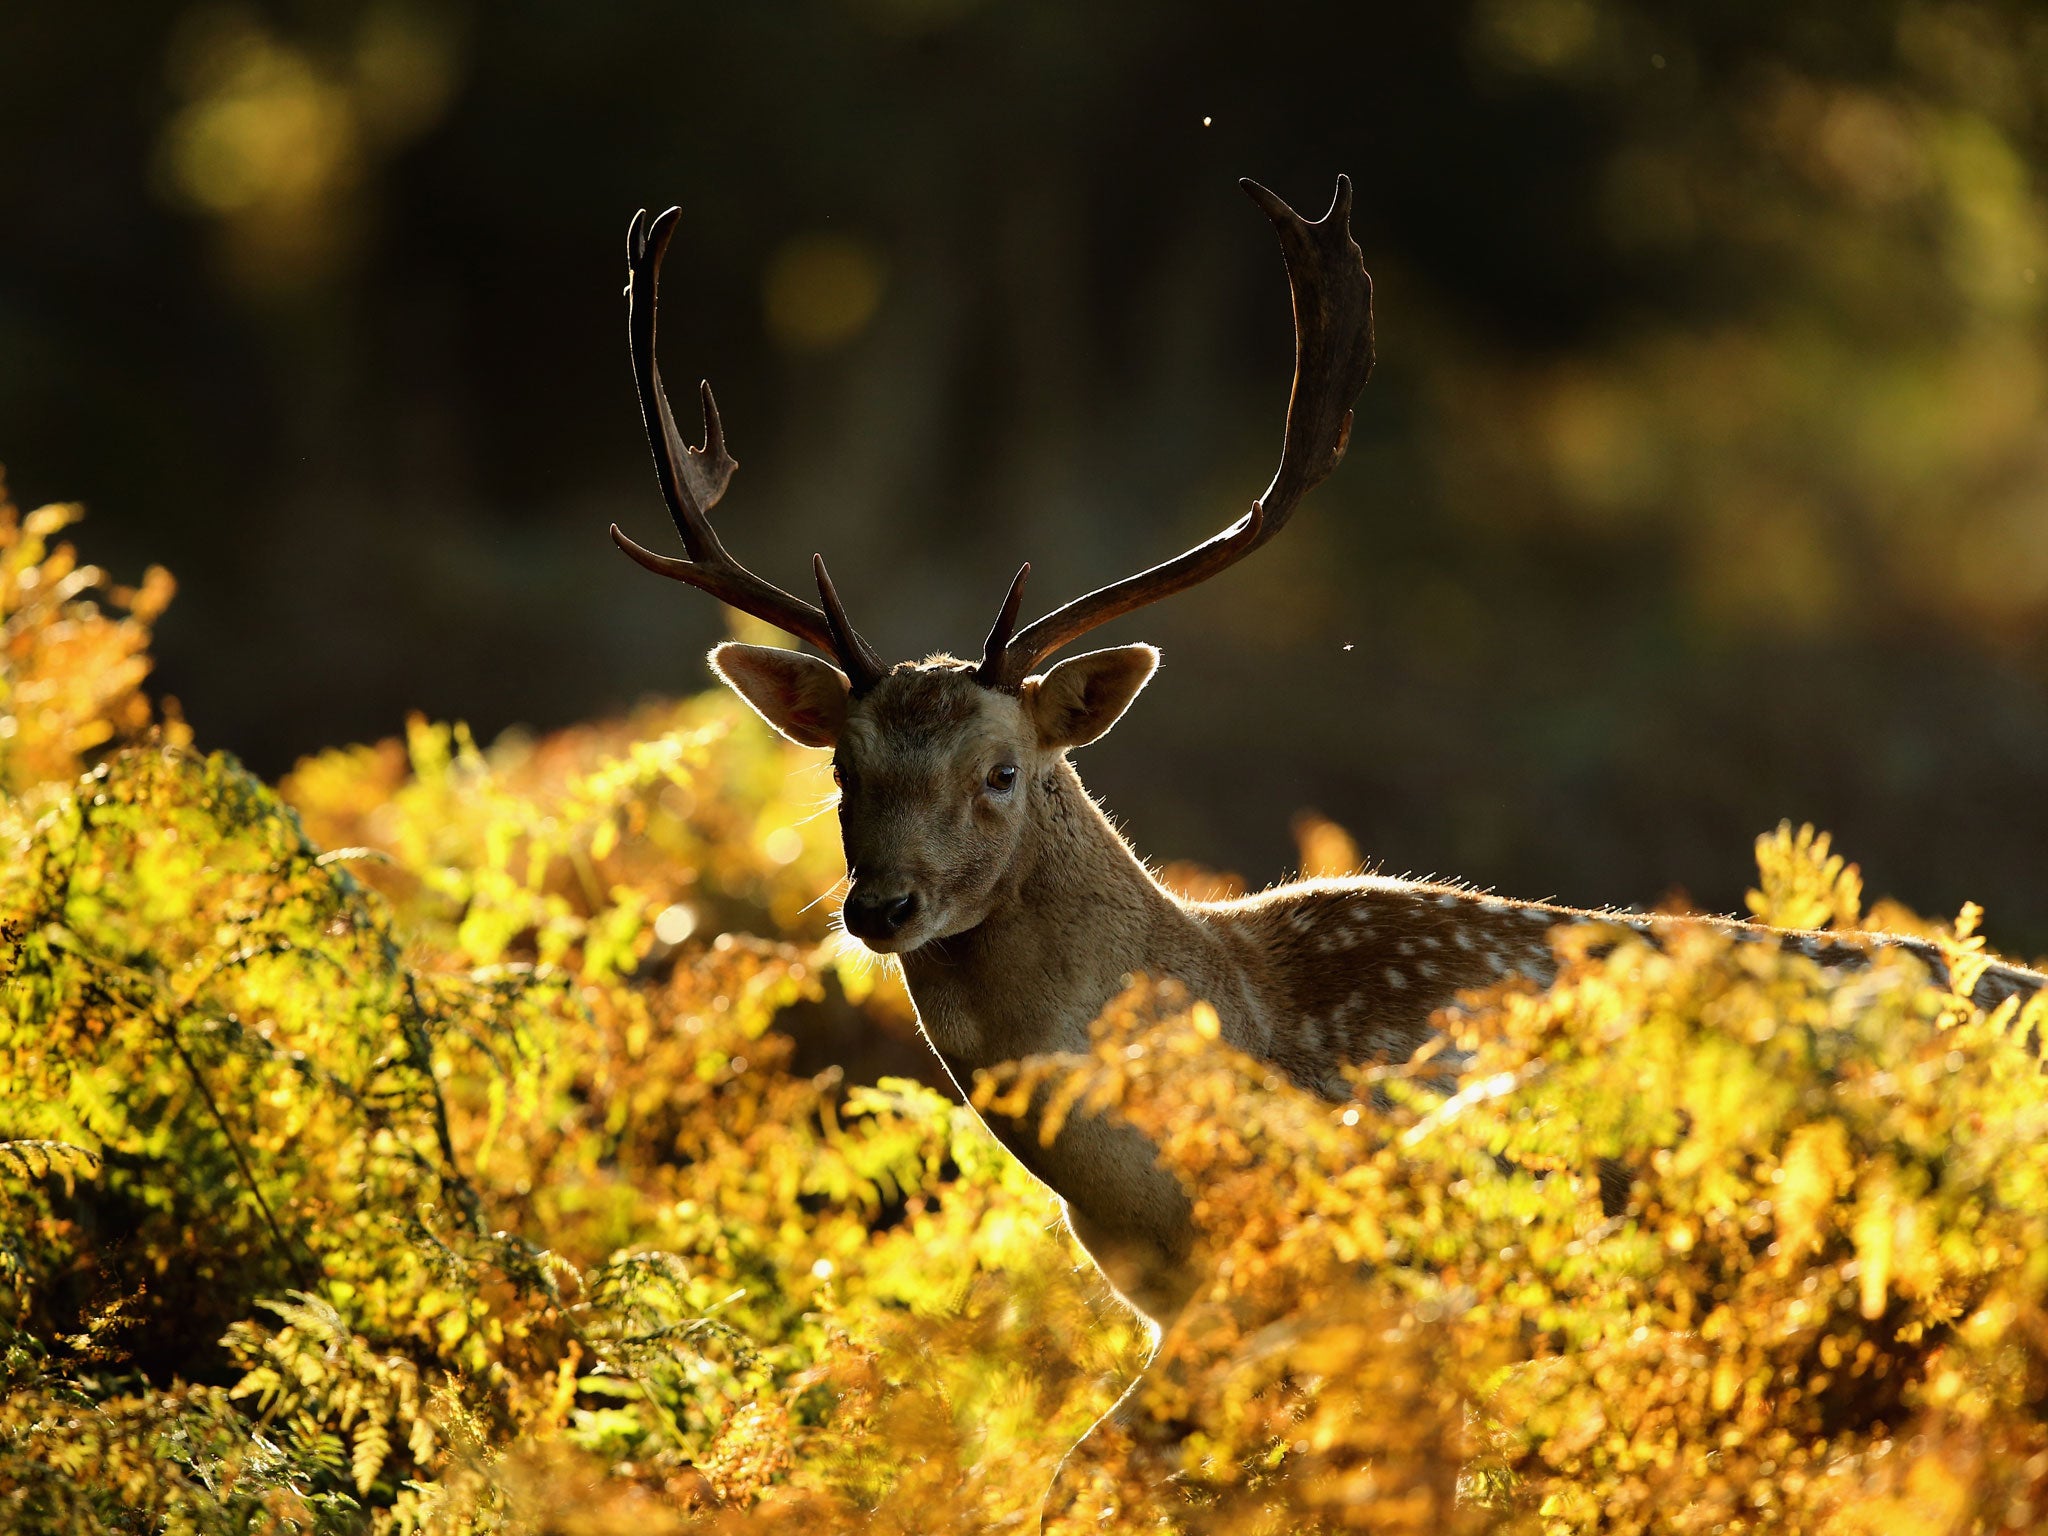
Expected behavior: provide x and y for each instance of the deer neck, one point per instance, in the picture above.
(1076, 916)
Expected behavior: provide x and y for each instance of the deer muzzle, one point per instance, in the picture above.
(878, 914)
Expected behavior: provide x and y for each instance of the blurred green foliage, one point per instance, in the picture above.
(422, 1184)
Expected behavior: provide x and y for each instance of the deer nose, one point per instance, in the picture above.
(873, 916)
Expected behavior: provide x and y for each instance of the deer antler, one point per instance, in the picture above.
(693, 480)
(1332, 359)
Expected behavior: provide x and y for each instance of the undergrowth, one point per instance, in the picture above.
(414, 1146)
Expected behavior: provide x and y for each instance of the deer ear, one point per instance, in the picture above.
(1081, 698)
(802, 697)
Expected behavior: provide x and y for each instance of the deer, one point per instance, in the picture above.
(980, 864)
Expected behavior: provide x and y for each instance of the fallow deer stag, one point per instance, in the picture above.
(1014, 907)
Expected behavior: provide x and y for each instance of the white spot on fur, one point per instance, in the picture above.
(1407, 946)
(1395, 979)
(1463, 938)
(1498, 961)
(1537, 915)
(1427, 970)
(1431, 941)
(1448, 902)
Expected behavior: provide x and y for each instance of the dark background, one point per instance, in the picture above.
(1703, 481)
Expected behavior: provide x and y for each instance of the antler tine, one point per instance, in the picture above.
(990, 673)
(1333, 356)
(1333, 344)
(864, 668)
(693, 479)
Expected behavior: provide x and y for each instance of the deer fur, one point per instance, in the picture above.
(1033, 912)
(1014, 907)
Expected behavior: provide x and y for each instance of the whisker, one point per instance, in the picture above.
(834, 886)
(848, 947)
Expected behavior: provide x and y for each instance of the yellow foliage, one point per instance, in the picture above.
(418, 1150)
(1325, 849)
(1802, 883)
(71, 671)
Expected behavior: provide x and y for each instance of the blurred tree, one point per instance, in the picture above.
(1713, 389)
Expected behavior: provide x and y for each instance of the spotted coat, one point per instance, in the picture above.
(1362, 964)
(1031, 912)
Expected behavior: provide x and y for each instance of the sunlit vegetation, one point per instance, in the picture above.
(416, 1146)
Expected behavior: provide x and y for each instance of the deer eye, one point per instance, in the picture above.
(1002, 778)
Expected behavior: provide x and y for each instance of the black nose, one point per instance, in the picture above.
(872, 916)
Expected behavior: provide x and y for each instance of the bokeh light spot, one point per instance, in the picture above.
(1536, 35)
(821, 290)
(676, 923)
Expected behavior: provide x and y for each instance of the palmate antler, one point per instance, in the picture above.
(693, 480)
(1332, 358)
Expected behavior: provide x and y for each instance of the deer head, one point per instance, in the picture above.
(944, 765)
